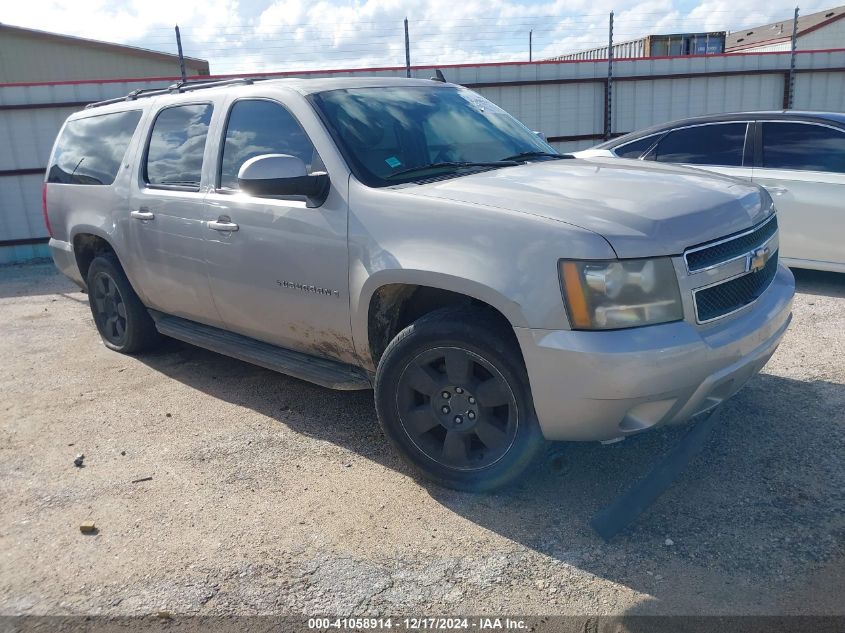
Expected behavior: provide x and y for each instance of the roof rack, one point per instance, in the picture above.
(178, 87)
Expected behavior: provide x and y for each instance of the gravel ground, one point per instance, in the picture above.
(270, 495)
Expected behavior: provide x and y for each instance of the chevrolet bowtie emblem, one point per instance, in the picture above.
(757, 258)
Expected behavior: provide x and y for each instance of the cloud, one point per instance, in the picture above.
(147, 23)
(267, 35)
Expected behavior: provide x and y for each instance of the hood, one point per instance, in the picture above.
(643, 209)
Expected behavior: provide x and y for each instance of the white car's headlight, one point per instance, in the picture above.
(607, 295)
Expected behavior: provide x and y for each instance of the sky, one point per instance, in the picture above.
(275, 35)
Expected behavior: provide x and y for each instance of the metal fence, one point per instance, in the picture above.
(573, 102)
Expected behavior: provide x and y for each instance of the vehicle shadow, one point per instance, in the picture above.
(763, 502)
(756, 513)
(819, 282)
(36, 278)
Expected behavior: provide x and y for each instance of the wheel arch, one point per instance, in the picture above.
(391, 302)
(90, 241)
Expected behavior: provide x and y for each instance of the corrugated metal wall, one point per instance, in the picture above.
(631, 48)
(565, 100)
(656, 46)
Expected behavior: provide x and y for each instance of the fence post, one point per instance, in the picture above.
(181, 56)
(608, 88)
(790, 94)
(531, 45)
(407, 51)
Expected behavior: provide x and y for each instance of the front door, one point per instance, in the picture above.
(802, 166)
(166, 227)
(278, 268)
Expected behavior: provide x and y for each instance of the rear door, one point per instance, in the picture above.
(719, 147)
(166, 225)
(802, 165)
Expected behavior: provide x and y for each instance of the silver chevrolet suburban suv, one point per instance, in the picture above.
(411, 237)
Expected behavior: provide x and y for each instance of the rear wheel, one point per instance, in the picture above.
(452, 395)
(122, 320)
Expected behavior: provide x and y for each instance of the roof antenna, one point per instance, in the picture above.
(439, 76)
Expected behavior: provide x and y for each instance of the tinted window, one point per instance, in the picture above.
(802, 146)
(176, 146)
(90, 150)
(385, 132)
(704, 145)
(635, 149)
(261, 127)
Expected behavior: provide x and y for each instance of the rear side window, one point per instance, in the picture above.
(635, 149)
(803, 146)
(259, 127)
(90, 150)
(720, 144)
(177, 143)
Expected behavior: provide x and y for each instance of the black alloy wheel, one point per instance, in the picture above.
(457, 408)
(109, 308)
(124, 323)
(453, 397)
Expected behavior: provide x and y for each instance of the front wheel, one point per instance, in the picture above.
(452, 396)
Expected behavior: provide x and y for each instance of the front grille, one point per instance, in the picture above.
(717, 301)
(731, 247)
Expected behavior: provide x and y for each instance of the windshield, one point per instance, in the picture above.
(389, 134)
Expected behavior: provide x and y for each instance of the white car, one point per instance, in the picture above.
(799, 157)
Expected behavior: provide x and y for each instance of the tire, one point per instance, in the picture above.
(452, 396)
(121, 319)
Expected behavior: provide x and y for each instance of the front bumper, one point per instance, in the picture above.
(606, 385)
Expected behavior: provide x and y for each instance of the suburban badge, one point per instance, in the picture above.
(308, 288)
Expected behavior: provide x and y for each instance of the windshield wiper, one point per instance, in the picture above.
(537, 154)
(454, 165)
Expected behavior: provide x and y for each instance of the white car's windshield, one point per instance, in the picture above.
(397, 134)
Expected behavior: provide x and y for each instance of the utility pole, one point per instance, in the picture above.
(608, 97)
(181, 56)
(790, 95)
(407, 51)
(531, 45)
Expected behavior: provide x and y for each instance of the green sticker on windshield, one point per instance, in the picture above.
(393, 162)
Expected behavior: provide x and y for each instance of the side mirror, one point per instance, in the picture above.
(542, 135)
(282, 175)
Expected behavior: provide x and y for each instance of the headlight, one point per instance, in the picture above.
(606, 295)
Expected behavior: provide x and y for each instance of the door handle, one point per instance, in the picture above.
(777, 191)
(142, 214)
(223, 224)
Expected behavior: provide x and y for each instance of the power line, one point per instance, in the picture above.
(263, 45)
